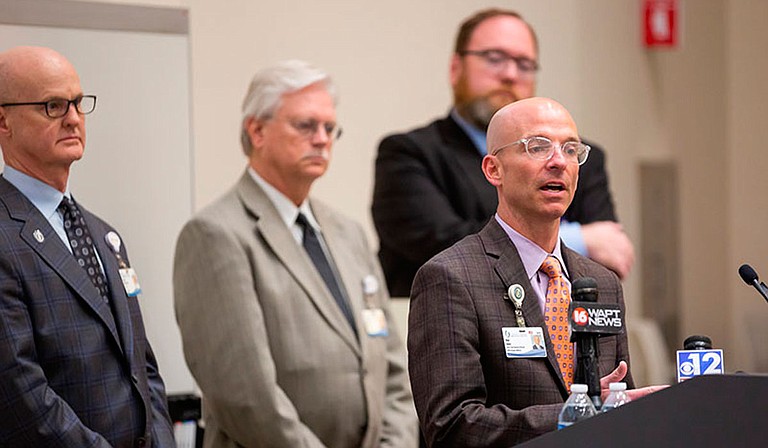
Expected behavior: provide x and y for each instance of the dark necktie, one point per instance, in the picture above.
(82, 245)
(315, 251)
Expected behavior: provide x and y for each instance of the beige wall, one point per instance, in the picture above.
(701, 106)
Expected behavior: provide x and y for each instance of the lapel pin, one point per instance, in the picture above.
(38, 235)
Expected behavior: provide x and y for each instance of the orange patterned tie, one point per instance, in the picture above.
(556, 317)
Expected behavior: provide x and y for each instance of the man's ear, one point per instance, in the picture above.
(493, 170)
(457, 67)
(255, 130)
(5, 128)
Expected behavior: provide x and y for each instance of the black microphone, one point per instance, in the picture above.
(698, 358)
(584, 289)
(750, 277)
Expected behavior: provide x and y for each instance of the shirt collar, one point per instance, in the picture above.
(531, 254)
(43, 196)
(285, 207)
(476, 135)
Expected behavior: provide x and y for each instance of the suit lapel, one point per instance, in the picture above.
(41, 238)
(344, 259)
(510, 269)
(278, 237)
(116, 290)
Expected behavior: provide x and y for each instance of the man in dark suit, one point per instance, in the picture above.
(429, 190)
(76, 369)
(469, 387)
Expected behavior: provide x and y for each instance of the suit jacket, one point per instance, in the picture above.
(276, 360)
(73, 372)
(430, 192)
(467, 392)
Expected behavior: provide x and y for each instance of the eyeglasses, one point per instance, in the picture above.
(542, 148)
(498, 61)
(58, 107)
(308, 128)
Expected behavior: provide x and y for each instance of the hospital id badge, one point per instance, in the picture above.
(130, 282)
(527, 342)
(375, 322)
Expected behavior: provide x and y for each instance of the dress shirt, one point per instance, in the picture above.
(532, 257)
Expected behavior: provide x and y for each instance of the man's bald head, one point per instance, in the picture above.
(514, 121)
(34, 142)
(24, 68)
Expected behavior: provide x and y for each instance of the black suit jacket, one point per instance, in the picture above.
(430, 192)
(74, 371)
(467, 392)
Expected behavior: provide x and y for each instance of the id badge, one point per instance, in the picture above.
(375, 322)
(525, 342)
(130, 282)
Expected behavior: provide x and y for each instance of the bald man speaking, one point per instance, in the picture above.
(470, 388)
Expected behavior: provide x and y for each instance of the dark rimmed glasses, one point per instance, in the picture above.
(58, 107)
(498, 61)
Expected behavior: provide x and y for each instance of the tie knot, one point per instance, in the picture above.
(302, 221)
(551, 267)
(67, 206)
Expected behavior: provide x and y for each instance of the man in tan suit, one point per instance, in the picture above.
(282, 308)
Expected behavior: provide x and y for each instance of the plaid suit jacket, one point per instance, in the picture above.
(467, 393)
(73, 373)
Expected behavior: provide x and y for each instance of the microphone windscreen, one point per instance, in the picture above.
(697, 342)
(747, 274)
(584, 289)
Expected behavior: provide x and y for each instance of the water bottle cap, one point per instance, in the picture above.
(579, 388)
(613, 387)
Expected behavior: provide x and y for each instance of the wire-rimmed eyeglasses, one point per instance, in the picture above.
(542, 148)
(58, 107)
(498, 61)
(309, 127)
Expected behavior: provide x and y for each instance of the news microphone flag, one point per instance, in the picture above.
(692, 363)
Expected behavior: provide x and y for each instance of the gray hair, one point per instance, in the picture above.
(270, 84)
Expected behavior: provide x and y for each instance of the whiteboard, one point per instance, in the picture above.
(137, 170)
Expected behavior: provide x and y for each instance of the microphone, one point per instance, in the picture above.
(584, 294)
(750, 277)
(698, 358)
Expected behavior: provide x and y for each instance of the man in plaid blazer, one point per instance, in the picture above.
(469, 389)
(76, 369)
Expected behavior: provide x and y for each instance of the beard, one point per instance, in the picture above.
(477, 112)
(479, 109)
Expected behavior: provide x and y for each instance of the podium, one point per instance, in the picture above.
(705, 411)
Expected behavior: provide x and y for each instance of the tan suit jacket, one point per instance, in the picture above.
(277, 362)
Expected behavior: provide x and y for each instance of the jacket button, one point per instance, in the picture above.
(141, 443)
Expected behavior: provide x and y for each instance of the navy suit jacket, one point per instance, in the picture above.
(430, 192)
(74, 371)
(467, 392)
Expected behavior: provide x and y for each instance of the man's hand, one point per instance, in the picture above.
(608, 245)
(618, 375)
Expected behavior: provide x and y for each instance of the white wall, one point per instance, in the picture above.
(700, 106)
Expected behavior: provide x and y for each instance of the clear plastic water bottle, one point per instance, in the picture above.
(617, 397)
(578, 407)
